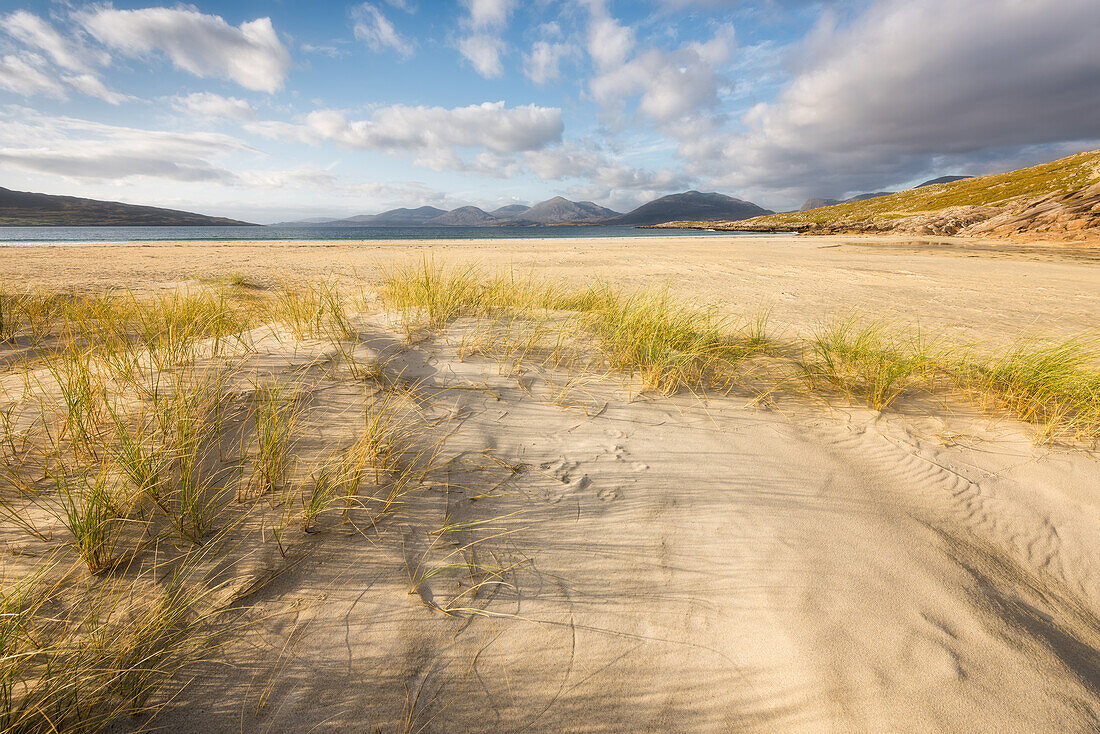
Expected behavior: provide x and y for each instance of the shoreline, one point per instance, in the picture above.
(948, 243)
(267, 233)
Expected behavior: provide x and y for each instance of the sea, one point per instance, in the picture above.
(91, 235)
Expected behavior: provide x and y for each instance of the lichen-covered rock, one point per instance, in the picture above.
(1076, 212)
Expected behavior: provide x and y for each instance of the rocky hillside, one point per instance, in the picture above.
(1073, 213)
(1057, 200)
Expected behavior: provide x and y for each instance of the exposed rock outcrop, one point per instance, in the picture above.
(1075, 215)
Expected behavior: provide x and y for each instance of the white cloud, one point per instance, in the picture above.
(328, 49)
(205, 45)
(908, 86)
(16, 75)
(433, 134)
(208, 104)
(374, 29)
(668, 85)
(483, 51)
(483, 47)
(84, 150)
(488, 13)
(93, 86)
(101, 165)
(543, 64)
(35, 32)
(570, 161)
(307, 177)
(598, 176)
(31, 74)
(609, 42)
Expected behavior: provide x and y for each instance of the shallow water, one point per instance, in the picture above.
(81, 235)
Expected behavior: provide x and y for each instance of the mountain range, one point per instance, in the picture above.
(20, 208)
(557, 211)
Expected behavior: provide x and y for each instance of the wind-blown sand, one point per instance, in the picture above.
(676, 563)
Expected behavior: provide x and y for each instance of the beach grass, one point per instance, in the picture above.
(871, 360)
(311, 309)
(118, 436)
(1055, 386)
(276, 412)
(85, 665)
(666, 343)
(671, 345)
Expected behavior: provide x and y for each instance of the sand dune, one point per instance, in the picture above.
(681, 564)
(588, 557)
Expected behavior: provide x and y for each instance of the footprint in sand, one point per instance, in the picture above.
(561, 469)
(609, 494)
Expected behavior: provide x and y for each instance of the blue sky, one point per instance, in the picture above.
(277, 110)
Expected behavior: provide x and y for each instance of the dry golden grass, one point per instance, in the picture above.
(125, 436)
(80, 665)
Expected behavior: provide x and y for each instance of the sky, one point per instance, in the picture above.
(278, 110)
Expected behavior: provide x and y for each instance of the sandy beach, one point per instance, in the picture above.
(964, 287)
(585, 555)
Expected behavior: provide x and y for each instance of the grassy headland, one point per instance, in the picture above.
(1069, 184)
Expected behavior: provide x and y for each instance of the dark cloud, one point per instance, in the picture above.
(910, 85)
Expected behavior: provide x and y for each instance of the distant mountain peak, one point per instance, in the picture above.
(560, 210)
(509, 210)
(690, 206)
(941, 180)
(818, 203)
(464, 216)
